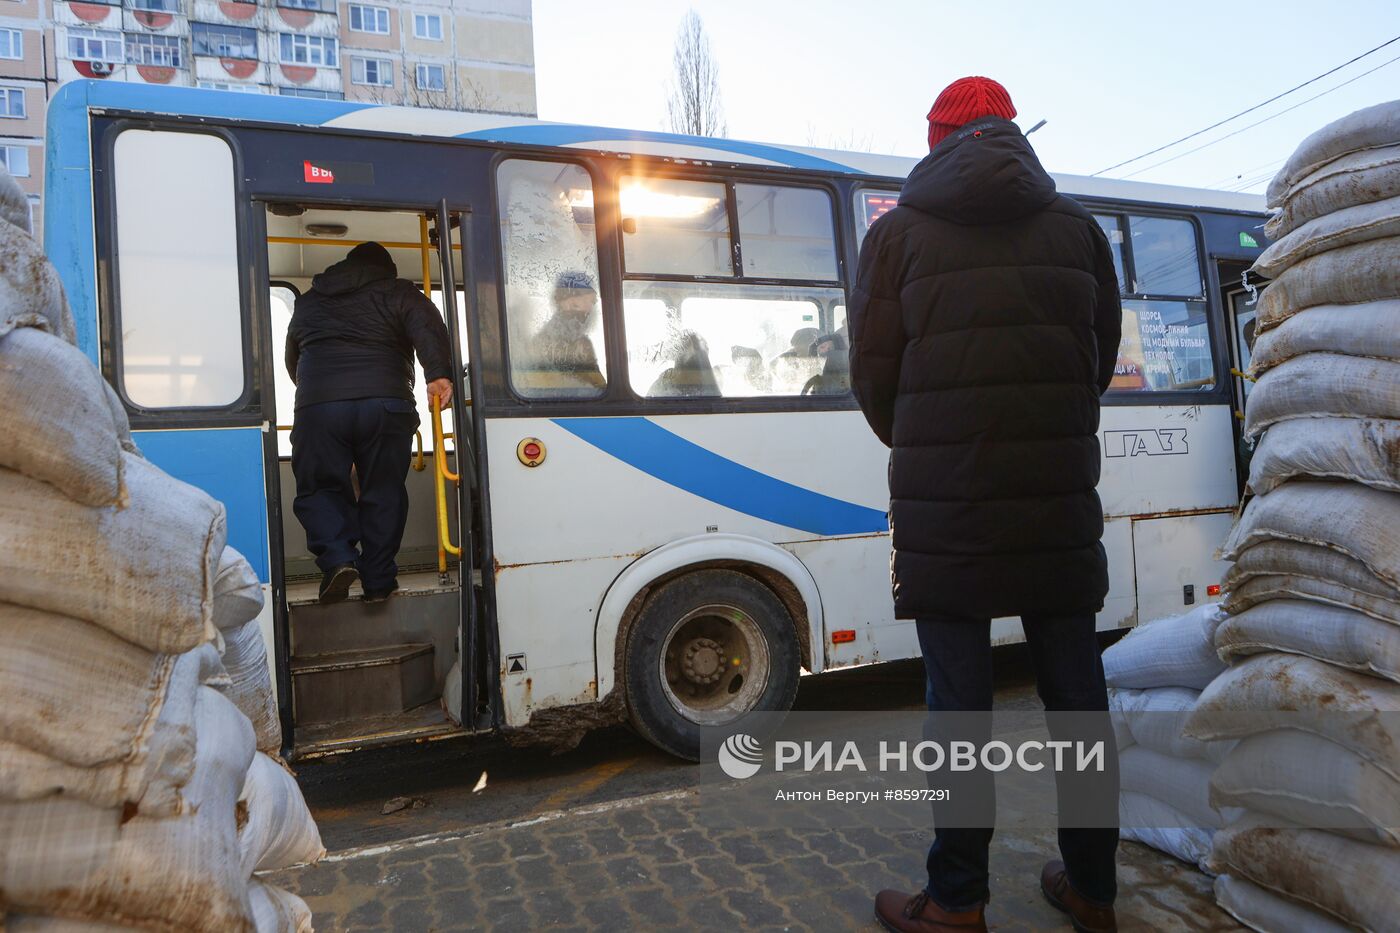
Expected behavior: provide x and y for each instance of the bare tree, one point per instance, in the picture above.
(693, 102)
(849, 142)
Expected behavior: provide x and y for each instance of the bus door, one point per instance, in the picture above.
(1240, 308)
(377, 672)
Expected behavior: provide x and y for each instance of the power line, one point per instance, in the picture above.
(1236, 176)
(1249, 110)
(1251, 126)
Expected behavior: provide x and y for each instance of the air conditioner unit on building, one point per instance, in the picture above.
(100, 68)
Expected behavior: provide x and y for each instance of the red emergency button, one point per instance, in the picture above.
(1213, 589)
(530, 451)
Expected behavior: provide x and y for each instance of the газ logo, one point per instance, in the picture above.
(1154, 442)
(741, 756)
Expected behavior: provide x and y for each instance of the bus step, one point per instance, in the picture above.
(362, 682)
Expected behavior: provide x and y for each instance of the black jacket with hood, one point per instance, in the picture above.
(985, 323)
(354, 333)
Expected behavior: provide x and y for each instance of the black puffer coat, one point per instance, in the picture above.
(354, 333)
(985, 324)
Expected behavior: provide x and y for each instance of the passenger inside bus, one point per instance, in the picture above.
(564, 359)
(691, 375)
(350, 350)
(835, 377)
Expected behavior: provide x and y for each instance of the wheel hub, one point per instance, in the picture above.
(704, 661)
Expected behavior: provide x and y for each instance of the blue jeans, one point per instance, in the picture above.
(1069, 676)
(375, 435)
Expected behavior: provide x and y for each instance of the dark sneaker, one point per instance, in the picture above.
(917, 913)
(378, 596)
(1087, 916)
(335, 584)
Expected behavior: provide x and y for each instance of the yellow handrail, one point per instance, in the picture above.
(445, 545)
(342, 241)
(423, 250)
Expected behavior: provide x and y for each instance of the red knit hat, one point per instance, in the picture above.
(965, 100)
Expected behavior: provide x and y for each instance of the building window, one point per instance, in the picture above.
(308, 50)
(95, 45)
(155, 6)
(320, 6)
(12, 102)
(378, 72)
(11, 43)
(144, 48)
(427, 26)
(224, 41)
(432, 78)
(16, 159)
(230, 86)
(310, 92)
(372, 19)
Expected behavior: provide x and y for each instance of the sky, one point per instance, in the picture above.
(1113, 79)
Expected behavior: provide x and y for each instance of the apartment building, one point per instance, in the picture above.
(454, 54)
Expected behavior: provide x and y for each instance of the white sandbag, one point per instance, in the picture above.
(250, 683)
(147, 571)
(1270, 912)
(1352, 519)
(1369, 329)
(1356, 224)
(1273, 691)
(74, 692)
(1357, 178)
(14, 203)
(1324, 385)
(1153, 823)
(1173, 652)
(1156, 719)
(55, 418)
(238, 596)
(451, 699)
(1359, 450)
(149, 780)
(1261, 589)
(30, 293)
(1338, 636)
(1353, 274)
(278, 911)
(1368, 128)
(1350, 880)
(279, 831)
(1310, 782)
(32, 923)
(1294, 558)
(66, 857)
(1181, 783)
(120, 419)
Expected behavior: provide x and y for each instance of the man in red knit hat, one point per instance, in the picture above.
(985, 323)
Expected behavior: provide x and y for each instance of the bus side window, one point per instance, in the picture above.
(179, 304)
(550, 252)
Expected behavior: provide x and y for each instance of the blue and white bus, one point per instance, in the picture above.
(671, 541)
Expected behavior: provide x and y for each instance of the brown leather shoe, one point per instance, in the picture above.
(916, 913)
(1086, 916)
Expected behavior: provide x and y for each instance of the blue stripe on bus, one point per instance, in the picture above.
(648, 447)
(562, 134)
(227, 464)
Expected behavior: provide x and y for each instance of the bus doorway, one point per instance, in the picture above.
(368, 673)
(1240, 306)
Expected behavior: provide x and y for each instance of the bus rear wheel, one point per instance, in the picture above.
(708, 649)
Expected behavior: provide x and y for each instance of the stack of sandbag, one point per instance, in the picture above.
(1314, 590)
(130, 793)
(1155, 674)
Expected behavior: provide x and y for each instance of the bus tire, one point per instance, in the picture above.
(707, 649)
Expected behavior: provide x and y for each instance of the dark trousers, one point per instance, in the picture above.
(1069, 676)
(375, 436)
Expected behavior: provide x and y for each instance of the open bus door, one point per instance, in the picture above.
(408, 668)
